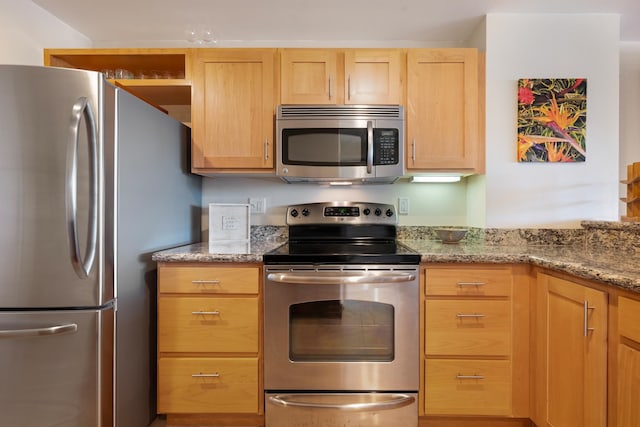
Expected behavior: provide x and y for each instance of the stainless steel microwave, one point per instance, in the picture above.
(340, 143)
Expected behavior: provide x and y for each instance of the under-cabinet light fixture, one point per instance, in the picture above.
(338, 183)
(435, 179)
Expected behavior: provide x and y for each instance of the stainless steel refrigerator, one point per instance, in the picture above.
(92, 182)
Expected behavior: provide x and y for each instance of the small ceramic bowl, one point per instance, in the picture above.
(451, 235)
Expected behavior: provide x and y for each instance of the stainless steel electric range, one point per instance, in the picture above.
(341, 329)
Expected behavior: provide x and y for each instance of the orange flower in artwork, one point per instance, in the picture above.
(523, 146)
(557, 152)
(557, 114)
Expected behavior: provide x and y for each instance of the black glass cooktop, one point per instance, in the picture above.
(342, 252)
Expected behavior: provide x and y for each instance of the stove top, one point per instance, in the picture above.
(342, 253)
(342, 233)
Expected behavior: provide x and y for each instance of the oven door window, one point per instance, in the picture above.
(341, 331)
(324, 147)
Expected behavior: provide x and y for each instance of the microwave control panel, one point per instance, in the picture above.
(386, 147)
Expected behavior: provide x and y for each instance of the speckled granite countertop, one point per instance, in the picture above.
(608, 252)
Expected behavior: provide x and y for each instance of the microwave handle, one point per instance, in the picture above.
(369, 146)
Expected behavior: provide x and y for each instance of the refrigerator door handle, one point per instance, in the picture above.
(36, 332)
(82, 264)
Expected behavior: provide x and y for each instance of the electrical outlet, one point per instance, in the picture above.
(258, 205)
(403, 205)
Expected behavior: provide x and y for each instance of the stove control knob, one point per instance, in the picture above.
(389, 212)
(378, 212)
(294, 213)
(305, 212)
(366, 211)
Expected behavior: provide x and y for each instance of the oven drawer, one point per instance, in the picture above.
(341, 409)
(468, 387)
(468, 327)
(205, 324)
(207, 385)
(468, 281)
(209, 280)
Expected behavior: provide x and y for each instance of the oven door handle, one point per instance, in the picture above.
(369, 146)
(397, 401)
(321, 279)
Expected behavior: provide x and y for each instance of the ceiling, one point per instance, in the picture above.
(157, 22)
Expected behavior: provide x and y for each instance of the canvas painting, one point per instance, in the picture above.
(552, 120)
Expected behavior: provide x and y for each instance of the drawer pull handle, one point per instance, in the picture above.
(201, 375)
(469, 377)
(473, 316)
(205, 282)
(462, 284)
(215, 313)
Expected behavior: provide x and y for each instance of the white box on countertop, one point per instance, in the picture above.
(229, 222)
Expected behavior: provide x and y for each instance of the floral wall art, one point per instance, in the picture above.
(552, 120)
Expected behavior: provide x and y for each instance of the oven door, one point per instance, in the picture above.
(341, 328)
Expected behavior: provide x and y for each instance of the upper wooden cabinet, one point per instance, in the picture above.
(162, 77)
(233, 108)
(443, 111)
(341, 76)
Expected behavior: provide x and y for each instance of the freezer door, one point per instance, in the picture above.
(50, 188)
(56, 368)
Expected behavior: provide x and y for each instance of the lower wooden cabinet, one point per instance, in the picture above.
(468, 387)
(475, 340)
(209, 340)
(571, 361)
(627, 409)
(191, 385)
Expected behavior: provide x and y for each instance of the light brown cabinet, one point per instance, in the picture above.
(442, 123)
(468, 363)
(571, 360)
(626, 409)
(209, 340)
(161, 77)
(234, 92)
(341, 76)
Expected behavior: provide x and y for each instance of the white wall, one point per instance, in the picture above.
(539, 46)
(629, 110)
(26, 30)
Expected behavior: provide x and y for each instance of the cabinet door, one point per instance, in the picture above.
(571, 388)
(233, 109)
(628, 411)
(373, 76)
(442, 109)
(628, 368)
(310, 76)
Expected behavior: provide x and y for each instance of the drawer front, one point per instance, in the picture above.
(468, 387)
(208, 280)
(629, 318)
(207, 385)
(201, 324)
(468, 282)
(468, 327)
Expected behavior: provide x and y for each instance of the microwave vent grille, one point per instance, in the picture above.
(340, 111)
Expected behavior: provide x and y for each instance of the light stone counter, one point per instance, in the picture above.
(600, 251)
